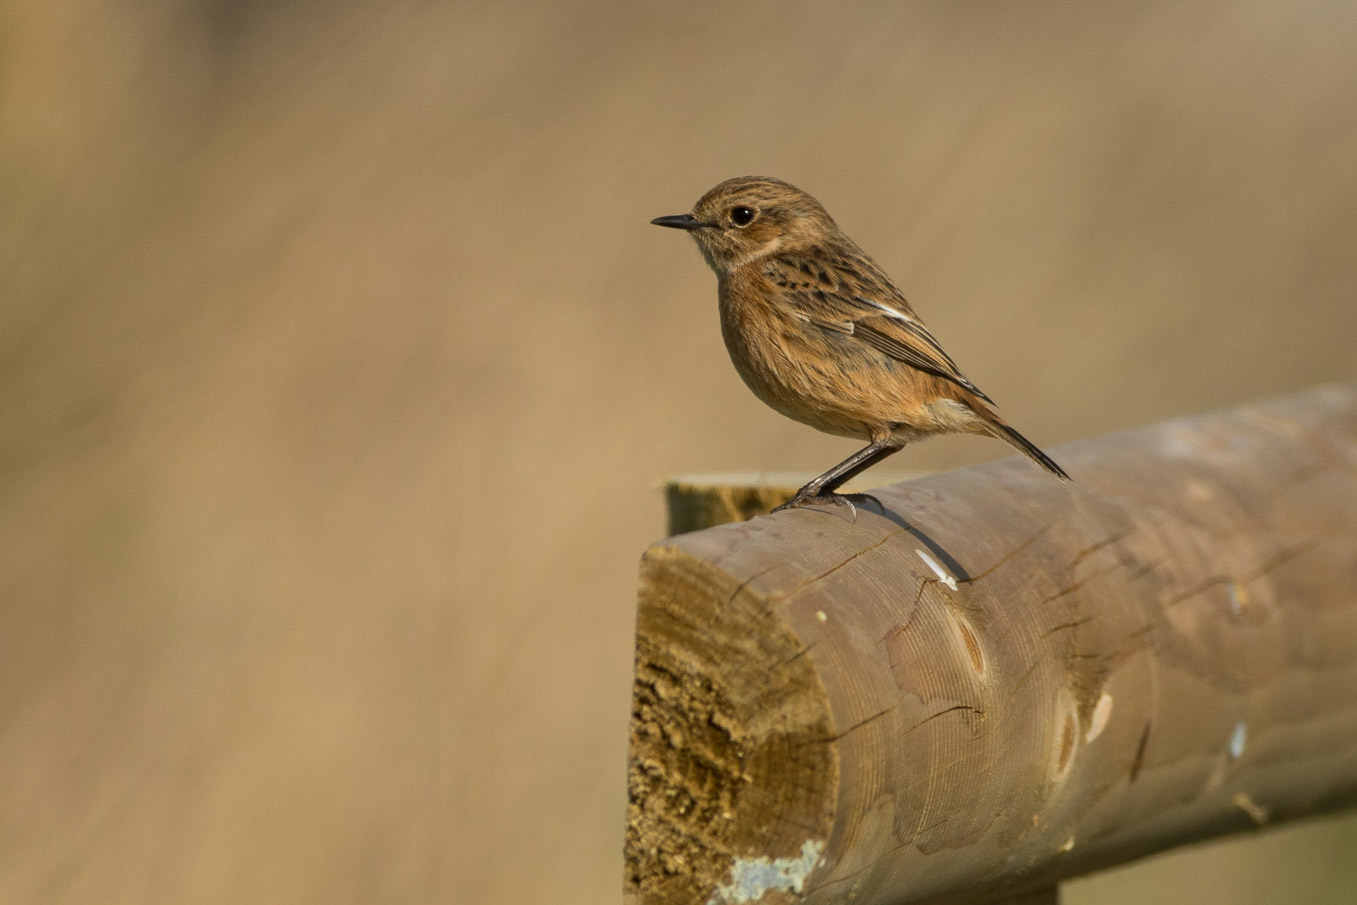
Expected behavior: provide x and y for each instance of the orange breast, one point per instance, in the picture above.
(829, 380)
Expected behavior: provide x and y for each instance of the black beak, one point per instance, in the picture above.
(679, 221)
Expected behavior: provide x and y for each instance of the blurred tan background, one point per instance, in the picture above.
(338, 364)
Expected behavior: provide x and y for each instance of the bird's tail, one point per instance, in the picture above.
(1028, 449)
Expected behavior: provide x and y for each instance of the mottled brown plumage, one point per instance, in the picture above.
(820, 333)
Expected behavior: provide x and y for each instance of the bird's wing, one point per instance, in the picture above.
(849, 294)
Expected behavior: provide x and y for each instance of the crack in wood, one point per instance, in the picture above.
(863, 722)
(1107, 542)
(832, 569)
(745, 584)
(862, 870)
(1067, 625)
(928, 719)
(1138, 761)
(1147, 568)
(798, 655)
(1275, 561)
(1079, 584)
(1023, 681)
(1005, 558)
(913, 609)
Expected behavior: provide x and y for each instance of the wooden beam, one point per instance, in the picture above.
(1004, 680)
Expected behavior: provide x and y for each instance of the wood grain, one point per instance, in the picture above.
(1004, 681)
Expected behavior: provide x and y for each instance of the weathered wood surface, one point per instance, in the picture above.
(1005, 680)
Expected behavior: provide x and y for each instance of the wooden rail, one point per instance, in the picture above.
(1004, 681)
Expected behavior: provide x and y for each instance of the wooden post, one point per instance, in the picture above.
(701, 501)
(1005, 680)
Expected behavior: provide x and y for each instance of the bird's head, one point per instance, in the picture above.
(749, 217)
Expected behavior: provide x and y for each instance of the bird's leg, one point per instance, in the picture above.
(821, 490)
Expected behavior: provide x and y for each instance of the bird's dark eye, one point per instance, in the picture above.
(742, 216)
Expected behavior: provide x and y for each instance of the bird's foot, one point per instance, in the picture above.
(806, 499)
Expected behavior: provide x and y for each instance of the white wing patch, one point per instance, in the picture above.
(888, 310)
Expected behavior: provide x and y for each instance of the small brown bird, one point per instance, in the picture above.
(820, 333)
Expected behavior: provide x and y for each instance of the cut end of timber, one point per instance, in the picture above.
(732, 778)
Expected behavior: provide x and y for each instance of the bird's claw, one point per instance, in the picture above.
(803, 499)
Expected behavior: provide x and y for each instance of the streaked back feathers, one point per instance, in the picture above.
(819, 331)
